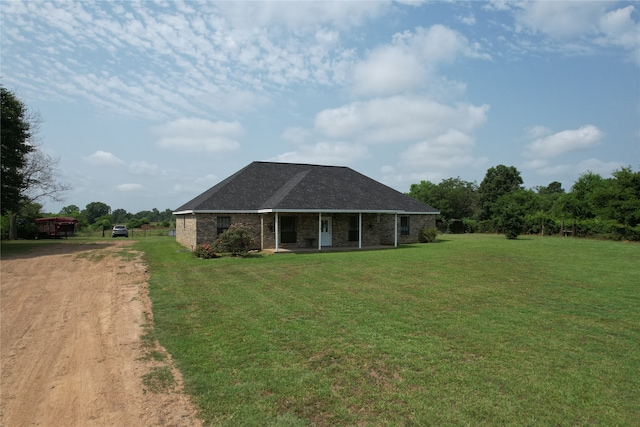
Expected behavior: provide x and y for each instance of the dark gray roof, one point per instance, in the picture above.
(266, 186)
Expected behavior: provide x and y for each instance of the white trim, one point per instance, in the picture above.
(327, 211)
(395, 232)
(352, 211)
(277, 232)
(319, 231)
(360, 230)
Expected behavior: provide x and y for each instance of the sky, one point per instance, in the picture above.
(147, 104)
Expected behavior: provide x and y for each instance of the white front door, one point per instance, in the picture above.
(325, 231)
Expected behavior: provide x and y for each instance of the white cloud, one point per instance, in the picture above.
(199, 135)
(410, 58)
(559, 18)
(580, 26)
(126, 188)
(398, 119)
(619, 29)
(560, 143)
(104, 158)
(388, 70)
(325, 153)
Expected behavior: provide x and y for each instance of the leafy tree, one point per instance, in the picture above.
(120, 216)
(14, 137)
(510, 210)
(70, 210)
(622, 202)
(453, 197)
(549, 195)
(498, 181)
(587, 196)
(103, 223)
(95, 210)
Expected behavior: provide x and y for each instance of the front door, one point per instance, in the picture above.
(325, 231)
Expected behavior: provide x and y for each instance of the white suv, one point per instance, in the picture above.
(120, 230)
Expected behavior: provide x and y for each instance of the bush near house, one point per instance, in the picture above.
(428, 235)
(236, 240)
(205, 252)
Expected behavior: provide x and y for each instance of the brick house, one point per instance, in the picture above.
(290, 206)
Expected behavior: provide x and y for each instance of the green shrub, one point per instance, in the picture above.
(205, 251)
(470, 225)
(428, 235)
(236, 240)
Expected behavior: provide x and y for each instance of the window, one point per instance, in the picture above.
(404, 225)
(353, 229)
(224, 222)
(289, 229)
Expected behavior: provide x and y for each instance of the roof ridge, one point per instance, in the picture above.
(300, 164)
(284, 191)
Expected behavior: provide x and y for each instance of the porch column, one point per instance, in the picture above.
(360, 230)
(319, 231)
(277, 233)
(395, 231)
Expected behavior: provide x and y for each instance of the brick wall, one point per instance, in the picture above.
(377, 229)
(186, 230)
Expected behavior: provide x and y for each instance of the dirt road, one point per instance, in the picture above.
(71, 353)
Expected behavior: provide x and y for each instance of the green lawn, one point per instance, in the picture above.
(473, 330)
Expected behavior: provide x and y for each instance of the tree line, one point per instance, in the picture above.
(593, 207)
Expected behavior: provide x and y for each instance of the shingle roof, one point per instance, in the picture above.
(267, 186)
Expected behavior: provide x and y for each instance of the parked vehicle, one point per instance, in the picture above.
(119, 230)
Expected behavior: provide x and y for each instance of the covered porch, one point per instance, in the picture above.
(314, 231)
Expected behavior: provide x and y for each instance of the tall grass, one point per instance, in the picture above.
(473, 330)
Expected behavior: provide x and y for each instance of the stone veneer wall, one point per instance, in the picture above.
(377, 229)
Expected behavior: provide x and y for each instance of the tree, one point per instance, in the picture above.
(40, 177)
(498, 181)
(14, 137)
(95, 210)
(120, 216)
(510, 210)
(70, 210)
(549, 195)
(453, 197)
(618, 199)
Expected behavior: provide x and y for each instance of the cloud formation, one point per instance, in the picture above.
(199, 135)
(560, 143)
(104, 158)
(411, 57)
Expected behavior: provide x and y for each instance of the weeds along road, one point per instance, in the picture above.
(71, 320)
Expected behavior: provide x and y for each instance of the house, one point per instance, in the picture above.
(288, 206)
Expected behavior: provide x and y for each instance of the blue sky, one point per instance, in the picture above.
(149, 103)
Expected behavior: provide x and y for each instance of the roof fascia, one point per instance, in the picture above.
(325, 211)
(354, 211)
(212, 211)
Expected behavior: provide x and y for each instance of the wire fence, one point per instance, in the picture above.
(133, 232)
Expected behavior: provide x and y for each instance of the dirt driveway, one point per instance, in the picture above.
(71, 354)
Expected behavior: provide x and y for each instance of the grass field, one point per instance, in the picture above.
(473, 330)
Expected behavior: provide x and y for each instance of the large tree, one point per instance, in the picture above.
(14, 137)
(95, 210)
(453, 197)
(498, 181)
